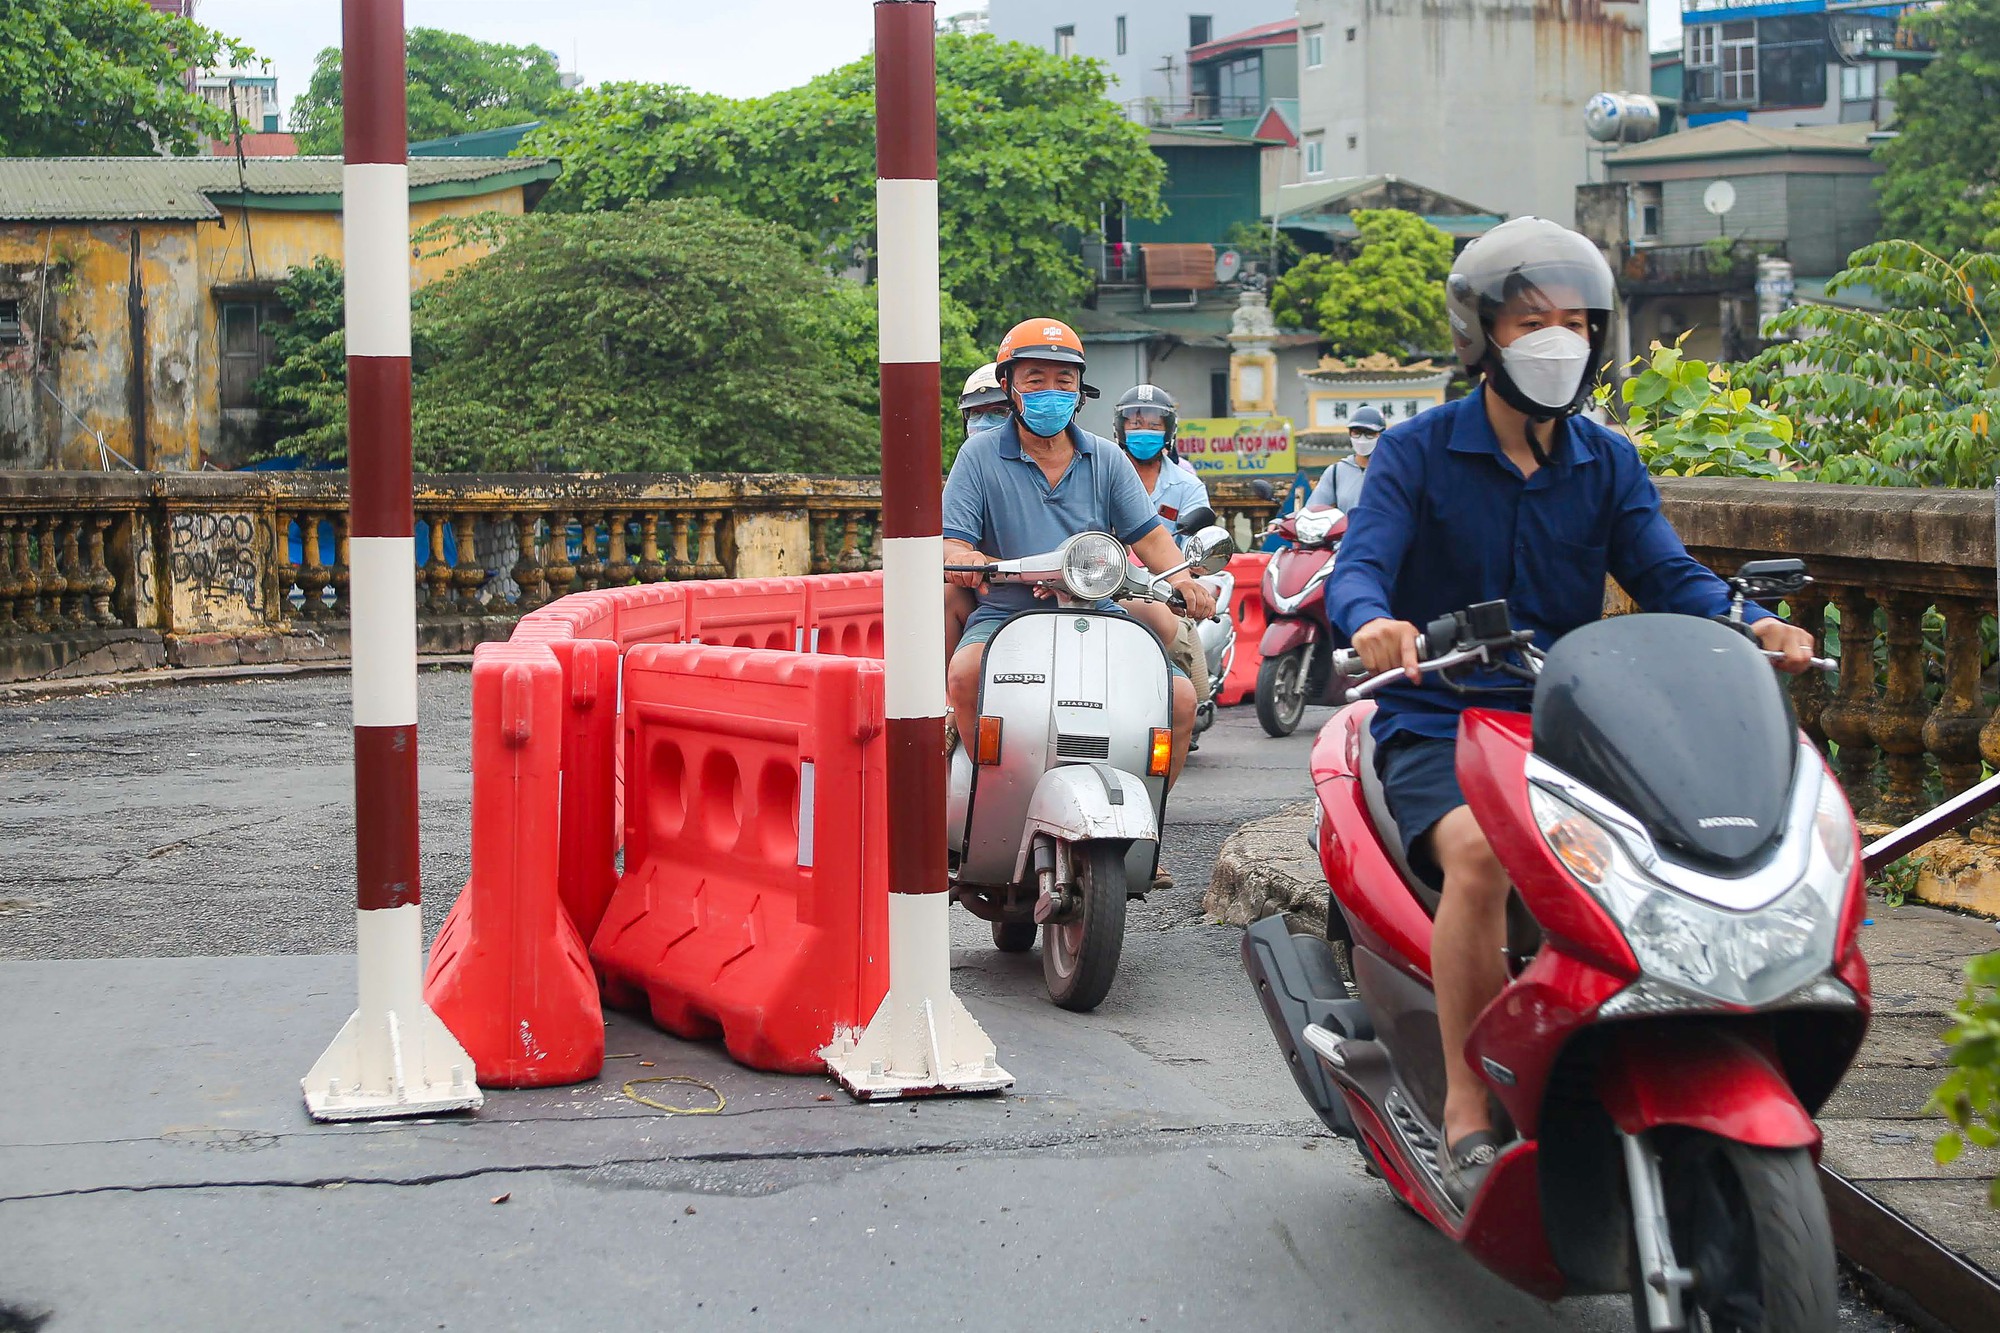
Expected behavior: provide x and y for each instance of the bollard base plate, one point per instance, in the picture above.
(951, 1056)
(428, 1072)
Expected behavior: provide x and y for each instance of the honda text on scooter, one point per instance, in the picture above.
(1686, 983)
(1059, 785)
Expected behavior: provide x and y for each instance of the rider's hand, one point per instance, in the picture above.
(1199, 601)
(966, 557)
(1777, 637)
(1385, 645)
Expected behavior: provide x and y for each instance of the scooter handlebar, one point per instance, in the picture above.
(1821, 663)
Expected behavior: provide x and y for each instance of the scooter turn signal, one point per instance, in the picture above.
(1162, 754)
(988, 753)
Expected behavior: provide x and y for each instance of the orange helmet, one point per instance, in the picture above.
(1041, 340)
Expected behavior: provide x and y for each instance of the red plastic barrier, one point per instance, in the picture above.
(509, 974)
(748, 613)
(588, 844)
(844, 615)
(1247, 605)
(752, 903)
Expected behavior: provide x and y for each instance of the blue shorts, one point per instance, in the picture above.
(1420, 783)
(985, 622)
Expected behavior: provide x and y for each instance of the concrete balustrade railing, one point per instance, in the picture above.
(104, 572)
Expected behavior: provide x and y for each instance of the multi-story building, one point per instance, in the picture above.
(250, 97)
(1144, 44)
(1793, 62)
(1480, 99)
(1802, 194)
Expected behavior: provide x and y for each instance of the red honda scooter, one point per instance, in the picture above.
(1687, 987)
(1297, 649)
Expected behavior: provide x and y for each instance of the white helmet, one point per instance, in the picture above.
(982, 389)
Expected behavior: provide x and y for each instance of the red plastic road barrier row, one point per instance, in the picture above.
(547, 817)
(754, 904)
(509, 974)
(1247, 605)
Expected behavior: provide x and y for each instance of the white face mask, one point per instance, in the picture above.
(1547, 365)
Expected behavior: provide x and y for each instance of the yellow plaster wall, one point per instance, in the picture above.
(275, 242)
(88, 358)
(181, 263)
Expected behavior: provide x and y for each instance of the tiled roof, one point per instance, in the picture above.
(120, 189)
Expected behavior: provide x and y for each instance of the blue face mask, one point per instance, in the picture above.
(980, 421)
(1145, 445)
(1047, 411)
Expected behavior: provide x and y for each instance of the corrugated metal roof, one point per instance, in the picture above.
(120, 189)
(1737, 138)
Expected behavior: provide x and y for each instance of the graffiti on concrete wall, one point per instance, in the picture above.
(216, 567)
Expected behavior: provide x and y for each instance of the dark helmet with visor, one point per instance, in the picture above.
(1145, 398)
(1529, 263)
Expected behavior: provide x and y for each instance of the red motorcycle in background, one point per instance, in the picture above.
(1297, 650)
(1687, 982)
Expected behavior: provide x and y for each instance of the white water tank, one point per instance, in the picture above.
(1621, 117)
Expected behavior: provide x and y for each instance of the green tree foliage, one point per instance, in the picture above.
(304, 392)
(105, 77)
(1688, 420)
(743, 354)
(1941, 169)
(1387, 296)
(1969, 1097)
(671, 336)
(456, 85)
(1029, 148)
(1905, 396)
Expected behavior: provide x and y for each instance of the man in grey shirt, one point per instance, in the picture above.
(1030, 485)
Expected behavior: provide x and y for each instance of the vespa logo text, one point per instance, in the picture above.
(1079, 703)
(1020, 678)
(1727, 821)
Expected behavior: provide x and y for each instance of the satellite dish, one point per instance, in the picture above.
(1227, 265)
(1719, 197)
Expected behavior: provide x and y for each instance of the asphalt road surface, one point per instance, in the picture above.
(175, 888)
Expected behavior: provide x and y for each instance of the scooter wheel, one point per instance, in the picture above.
(1013, 936)
(1753, 1225)
(1281, 693)
(1080, 957)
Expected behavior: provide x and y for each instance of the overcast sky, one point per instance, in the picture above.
(739, 48)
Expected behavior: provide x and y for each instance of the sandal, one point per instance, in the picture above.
(1466, 1163)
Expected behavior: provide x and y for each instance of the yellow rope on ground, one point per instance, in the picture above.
(684, 1080)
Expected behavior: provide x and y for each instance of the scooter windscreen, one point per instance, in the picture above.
(1682, 722)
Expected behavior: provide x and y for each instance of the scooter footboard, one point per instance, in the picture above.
(1702, 1077)
(1298, 983)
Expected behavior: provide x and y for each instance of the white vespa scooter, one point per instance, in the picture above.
(1059, 785)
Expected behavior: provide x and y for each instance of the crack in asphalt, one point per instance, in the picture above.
(957, 1148)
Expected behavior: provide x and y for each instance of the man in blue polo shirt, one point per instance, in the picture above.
(1032, 484)
(1508, 494)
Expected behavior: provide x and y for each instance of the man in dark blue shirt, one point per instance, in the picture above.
(1508, 494)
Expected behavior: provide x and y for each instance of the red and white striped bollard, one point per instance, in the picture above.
(922, 1040)
(394, 1057)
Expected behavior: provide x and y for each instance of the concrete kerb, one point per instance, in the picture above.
(1879, 1135)
(127, 680)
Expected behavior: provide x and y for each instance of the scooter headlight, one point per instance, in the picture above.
(1747, 958)
(1093, 566)
(1834, 826)
(1313, 525)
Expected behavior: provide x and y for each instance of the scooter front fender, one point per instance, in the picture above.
(1702, 1077)
(1283, 635)
(1087, 803)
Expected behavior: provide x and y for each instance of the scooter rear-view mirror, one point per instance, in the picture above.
(1210, 549)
